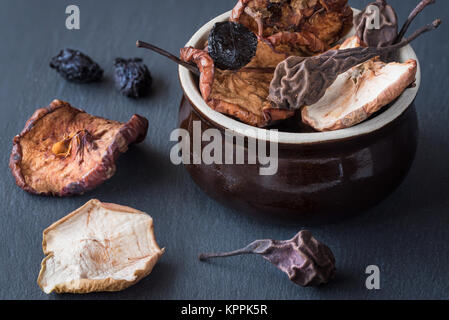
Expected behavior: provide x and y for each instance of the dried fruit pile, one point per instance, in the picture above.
(288, 32)
(241, 94)
(343, 87)
(387, 31)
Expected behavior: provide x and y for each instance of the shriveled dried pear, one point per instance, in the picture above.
(98, 247)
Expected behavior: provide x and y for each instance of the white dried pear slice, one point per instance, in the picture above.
(359, 92)
(99, 247)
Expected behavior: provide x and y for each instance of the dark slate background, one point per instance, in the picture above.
(406, 236)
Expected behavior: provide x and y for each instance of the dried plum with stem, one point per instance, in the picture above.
(231, 45)
(305, 260)
(132, 77)
(75, 66)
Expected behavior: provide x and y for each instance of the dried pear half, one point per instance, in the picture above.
(99, 247)
(65, 151)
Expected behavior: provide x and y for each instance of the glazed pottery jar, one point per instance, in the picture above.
(321, 176)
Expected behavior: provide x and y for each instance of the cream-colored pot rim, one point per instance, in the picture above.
(190, 87)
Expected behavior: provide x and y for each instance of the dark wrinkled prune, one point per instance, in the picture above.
(132, 77)
(232, 45)
(75, 66)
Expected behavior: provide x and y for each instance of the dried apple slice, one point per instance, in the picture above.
(240, 94)
(358, 93)
(309, 26)
(64, 151)
(99, 247)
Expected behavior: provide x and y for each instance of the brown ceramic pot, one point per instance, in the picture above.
(321, 177)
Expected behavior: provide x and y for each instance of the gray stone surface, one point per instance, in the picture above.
(407, 235)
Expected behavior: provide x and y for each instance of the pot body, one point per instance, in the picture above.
(315, 183)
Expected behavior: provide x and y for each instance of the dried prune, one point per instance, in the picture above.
(75, 66)
(232, 45)
(132, 77)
